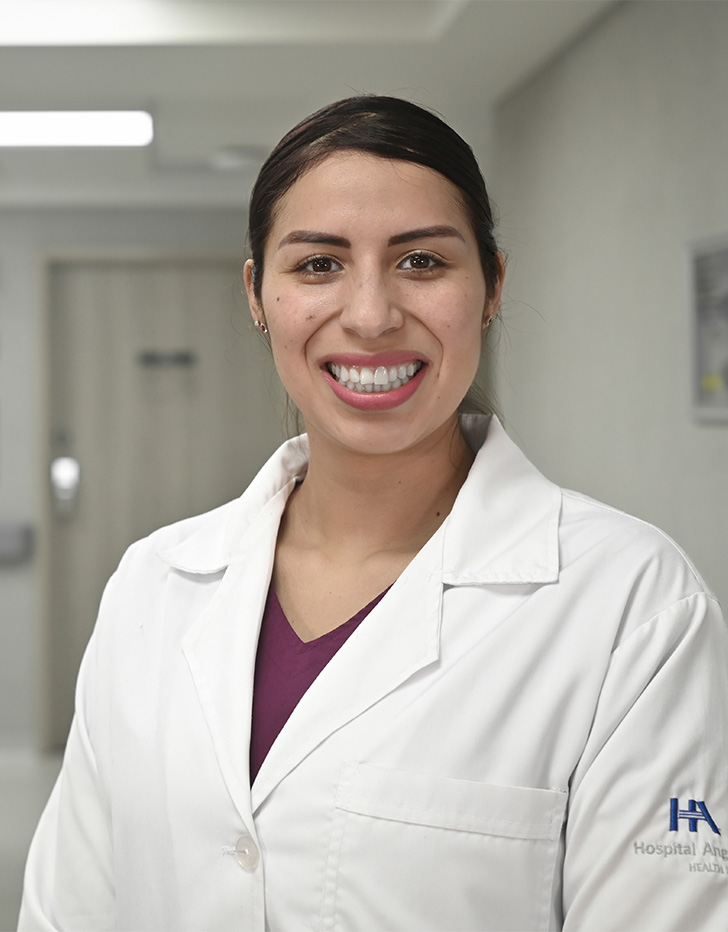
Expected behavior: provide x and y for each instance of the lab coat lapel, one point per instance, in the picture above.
(221, 645)
(399, 637)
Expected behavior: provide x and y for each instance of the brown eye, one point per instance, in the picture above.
(320, 265)
(419, 262)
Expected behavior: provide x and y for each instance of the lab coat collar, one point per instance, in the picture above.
(214, 545)
(503, 528)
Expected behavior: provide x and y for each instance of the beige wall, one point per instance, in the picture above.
(610, 162)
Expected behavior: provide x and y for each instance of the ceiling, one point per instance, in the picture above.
(224, 79)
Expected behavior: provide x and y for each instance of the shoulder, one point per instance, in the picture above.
(171, 534)
(586, 523)
(138, 588)
(209, 522)
(625, 559)
(205, 543)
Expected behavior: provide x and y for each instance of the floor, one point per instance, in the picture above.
(26, 778)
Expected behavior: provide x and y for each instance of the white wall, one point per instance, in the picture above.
(611, 161)
(25, 237)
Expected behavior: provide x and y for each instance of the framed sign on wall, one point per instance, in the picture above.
(710, 329)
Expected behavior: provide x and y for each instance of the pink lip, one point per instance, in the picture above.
(375, 401)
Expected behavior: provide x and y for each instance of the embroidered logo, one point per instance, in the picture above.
(696, 812)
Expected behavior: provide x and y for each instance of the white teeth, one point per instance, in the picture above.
(378, 379)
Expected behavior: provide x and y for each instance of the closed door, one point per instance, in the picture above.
(162, 403)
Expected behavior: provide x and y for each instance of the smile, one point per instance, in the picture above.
(365, 379)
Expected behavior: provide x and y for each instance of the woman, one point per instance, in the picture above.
(404, 682)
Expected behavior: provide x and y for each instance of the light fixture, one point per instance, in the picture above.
(29, 129)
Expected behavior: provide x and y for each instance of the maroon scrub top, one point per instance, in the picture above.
(285, 667)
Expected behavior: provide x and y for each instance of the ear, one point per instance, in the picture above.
(494, 299)
(256, 311)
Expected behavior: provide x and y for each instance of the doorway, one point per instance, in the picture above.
(160, 403)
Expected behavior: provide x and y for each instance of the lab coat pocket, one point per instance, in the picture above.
(418, 851)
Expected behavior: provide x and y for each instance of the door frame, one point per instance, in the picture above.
(44, 615)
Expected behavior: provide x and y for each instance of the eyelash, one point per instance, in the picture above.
(435, 262)
(316, 274)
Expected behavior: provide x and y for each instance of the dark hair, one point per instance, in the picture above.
(391, 128)
(385, 126)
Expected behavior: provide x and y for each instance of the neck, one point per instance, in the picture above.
(363, 504)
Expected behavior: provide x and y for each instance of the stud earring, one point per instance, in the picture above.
(260, 325)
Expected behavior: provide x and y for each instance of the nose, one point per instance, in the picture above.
(369, 308)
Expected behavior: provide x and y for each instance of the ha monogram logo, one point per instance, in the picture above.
(696, 812)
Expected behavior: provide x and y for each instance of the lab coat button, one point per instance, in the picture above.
(247, 853)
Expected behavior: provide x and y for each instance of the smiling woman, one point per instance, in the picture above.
(387, 274)
(404, 682)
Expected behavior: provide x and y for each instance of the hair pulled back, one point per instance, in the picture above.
(389, 127)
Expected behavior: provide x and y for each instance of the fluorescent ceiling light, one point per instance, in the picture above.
(221, 22)
(76, 128)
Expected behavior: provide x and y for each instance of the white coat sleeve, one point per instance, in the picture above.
(69, 881)
(646, 838)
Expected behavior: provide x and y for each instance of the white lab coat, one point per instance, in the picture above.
(495, 748)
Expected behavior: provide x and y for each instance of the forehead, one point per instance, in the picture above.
(351, 187)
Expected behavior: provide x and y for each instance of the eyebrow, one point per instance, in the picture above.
(314, 236)
(328, 239)
(424, 233)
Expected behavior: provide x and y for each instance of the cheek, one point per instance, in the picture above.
(293, 322)
(295, 312)
(286, 321)
(458, 318)
(460, 335)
